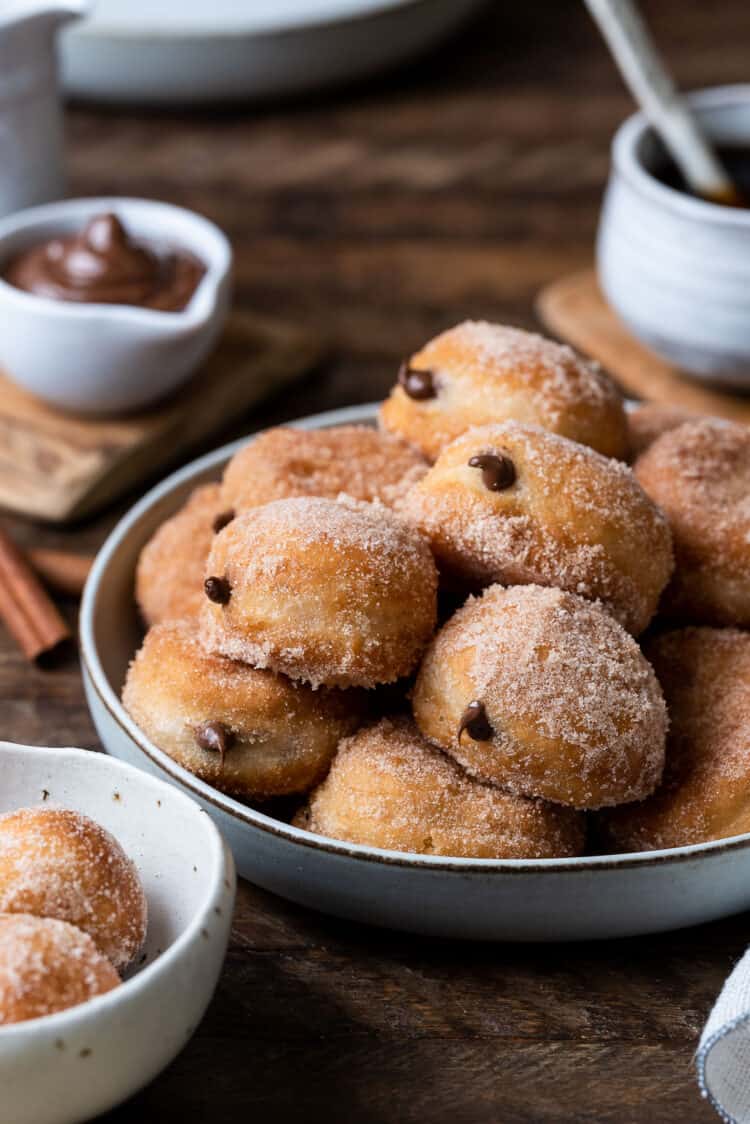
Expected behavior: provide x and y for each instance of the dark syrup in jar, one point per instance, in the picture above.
(734, 157)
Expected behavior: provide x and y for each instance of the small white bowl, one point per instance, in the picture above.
(76, 1064)
(675, 268)
(480, 899)
(110, 358)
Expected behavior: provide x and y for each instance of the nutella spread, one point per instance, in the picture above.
(103, 265)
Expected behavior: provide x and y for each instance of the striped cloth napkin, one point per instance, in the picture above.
(723, 1057)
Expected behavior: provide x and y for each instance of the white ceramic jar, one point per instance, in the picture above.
(675, 268)
(31, 151)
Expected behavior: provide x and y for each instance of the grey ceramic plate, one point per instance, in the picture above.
(487, 899)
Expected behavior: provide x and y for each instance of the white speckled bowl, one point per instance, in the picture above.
(110, 358)
(70, 1066)
(486, 899)
(677, 269)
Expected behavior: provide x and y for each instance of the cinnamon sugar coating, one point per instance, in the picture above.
(278, 736)
(483, 373)
(47, 966)
(333, 592)
(169, 574)
(705, 794)
(575, 712)
(58, 863)
(699, 474)
(390, 788)
(351, 459)
(571, 519)
(648, 420)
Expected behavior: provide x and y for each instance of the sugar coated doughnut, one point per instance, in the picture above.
(649, 420)
(351, 459)
(334, 592)
(478, 373)
(390, 788)
(169, 574)
(47, 966)
(512, 503)
(544, 694)
(705, 674)
(699, 474)
(55, 862)
(247, 732)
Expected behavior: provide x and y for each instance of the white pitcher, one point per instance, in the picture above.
(31, 147)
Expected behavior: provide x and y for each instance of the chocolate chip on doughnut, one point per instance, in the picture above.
(477, 373)
(515, 504)
(249, 733)
(546, 695)
(333, 592)
(169, 574)
(390, 788)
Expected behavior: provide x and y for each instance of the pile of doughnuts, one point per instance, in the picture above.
(73, 912)
(446, 635)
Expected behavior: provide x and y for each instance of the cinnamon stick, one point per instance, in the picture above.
(26, 608)
(66, 573)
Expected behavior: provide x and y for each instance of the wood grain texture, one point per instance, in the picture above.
(378, 215)
(575, 309)
(63, 467)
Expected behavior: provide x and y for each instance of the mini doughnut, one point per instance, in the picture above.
(649, 420)
(390, 788)
(705, 794)
(544, 694)
(699, 474)
(249, 733)
(47, 966)
(477, 373)
(512, 503)
(351, 459)
(334, 592)
(169, 574)
(55, 862)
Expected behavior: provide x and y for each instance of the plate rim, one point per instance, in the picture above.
(247, 816)
(331, 15)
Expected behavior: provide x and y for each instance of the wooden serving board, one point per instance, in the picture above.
(574, 309)
(59, 467)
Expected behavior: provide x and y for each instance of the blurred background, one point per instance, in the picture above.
(382, 211)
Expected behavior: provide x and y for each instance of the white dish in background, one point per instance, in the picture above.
(110, 358)
(487, 899)
(73, 1065)
(157, 51)
(676, 269)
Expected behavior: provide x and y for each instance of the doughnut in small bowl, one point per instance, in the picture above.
(705, 794)
(545, 695)
(47, 966)
(477, 373)
(512, 503)
(58, 863)
(390, 788)
(699, 474)
(334, 592)
(247, 732)
(351, 459)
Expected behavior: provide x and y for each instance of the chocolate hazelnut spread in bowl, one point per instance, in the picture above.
(109, 304)
(104, 264)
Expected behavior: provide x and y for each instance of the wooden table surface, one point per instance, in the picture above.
(381, 214)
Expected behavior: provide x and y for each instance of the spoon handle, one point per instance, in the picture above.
(645, 73)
